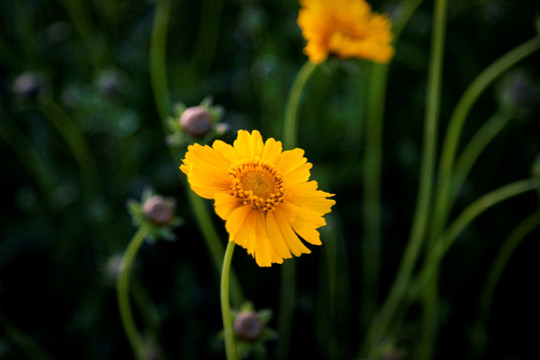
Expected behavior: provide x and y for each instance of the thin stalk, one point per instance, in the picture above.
(372, 172)
(476, 146)
(208, 32)
(93, 42)
(488, 290)
(286, 308)
(462, 221)
(29, 156)
(457, 120)
(288, 269)
(158, 74)
(27, 345)
(213, 244)
(74, 138)
(380, 324)
(122, 290)
(230, 346)
(428, 335)
(371, 216)
(504, 254)
(290, 124)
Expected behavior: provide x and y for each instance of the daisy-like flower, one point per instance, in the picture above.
(345, 28)
(262, 192)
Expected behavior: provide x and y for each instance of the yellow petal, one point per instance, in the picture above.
(224, 204)
(237, 221)
(291, 239)
(206, 170)
(248, 146)
(272, 150)
(276, 237)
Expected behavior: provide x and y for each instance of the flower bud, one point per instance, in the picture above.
(248, 326)
(28, 86)
(196, 121)
(159, 210)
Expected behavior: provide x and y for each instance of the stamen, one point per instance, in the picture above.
(257, 183)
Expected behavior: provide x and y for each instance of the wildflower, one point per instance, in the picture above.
(262, 193)
(155, 213)
(251, 331)
(345, 28)
(196, 121)
(199, 123)
(159, 210)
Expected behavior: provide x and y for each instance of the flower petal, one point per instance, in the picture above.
(248, 146)
(294, 244)
(238, 221)
(206, 170)
(277, 240)
(224, 204)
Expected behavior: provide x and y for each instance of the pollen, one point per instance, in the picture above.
(257, 183)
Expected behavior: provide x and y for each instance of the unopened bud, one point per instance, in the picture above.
(196, 121)
(159, 210)
(248, 326)
(27, 85)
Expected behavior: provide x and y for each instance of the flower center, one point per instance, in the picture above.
(257, 183)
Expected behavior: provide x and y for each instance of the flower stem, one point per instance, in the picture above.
(371, 215)
(74, 138)
(428, 335)
(158, 72)
(488, 290)
(30, 348)
(288, 269)
(476, 146)
(160, 88)
(451, 141)
(230, 346)
(290, 125)
(380, 324)
(462, 221)
(212, 242)
(29, 156)
(122, 290)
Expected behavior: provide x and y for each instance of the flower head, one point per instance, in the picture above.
(346, 28)
(262, 193)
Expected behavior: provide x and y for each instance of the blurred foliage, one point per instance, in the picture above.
(90, 60)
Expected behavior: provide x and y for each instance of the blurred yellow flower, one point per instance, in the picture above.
(345, 28)
(262, 193)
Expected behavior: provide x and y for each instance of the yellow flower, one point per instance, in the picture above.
(345, 28)
(262, 193)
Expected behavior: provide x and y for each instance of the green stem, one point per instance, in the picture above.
(213, 244)
(507, 249)
(122, 289)
(462, 221)
(29, 156)
(286, 308)
(372, 172)
(457, 120)
(428, 335)
(160, 88)
(74, 138)
(208, 32)
(290, 125)
(476, 146)
(158, 73)
(23, 341)
(380, 324)
(486, 295)
(288, 269)
(230, 346)
(93, 42)
(371, 216)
